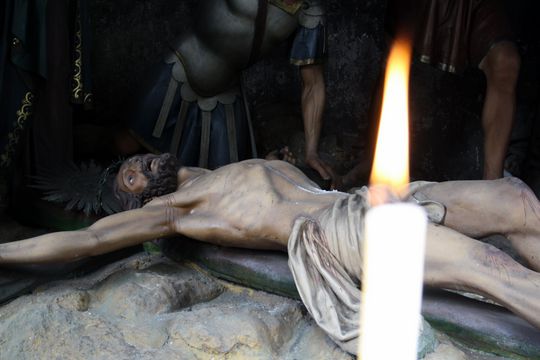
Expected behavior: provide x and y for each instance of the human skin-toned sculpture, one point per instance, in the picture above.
(254, 204)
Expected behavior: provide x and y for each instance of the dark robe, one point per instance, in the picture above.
(451, 34)
(44, 71)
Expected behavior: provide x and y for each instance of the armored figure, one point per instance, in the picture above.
(194, 106)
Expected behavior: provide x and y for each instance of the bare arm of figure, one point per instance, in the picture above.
(108, 234)
(313, 101)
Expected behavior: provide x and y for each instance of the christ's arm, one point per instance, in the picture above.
(108, 234)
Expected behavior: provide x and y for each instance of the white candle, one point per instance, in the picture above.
(393, 253)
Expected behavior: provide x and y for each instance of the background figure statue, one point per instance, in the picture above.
(454, 35)
(44, 79)
(44, 71)
(193, 104)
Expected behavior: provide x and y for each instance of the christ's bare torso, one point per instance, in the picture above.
(276, 194)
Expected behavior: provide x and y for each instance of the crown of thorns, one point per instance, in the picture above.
(86, 187)
(109, 170)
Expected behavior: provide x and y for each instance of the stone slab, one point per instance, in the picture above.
(481, 325)
(484, 326)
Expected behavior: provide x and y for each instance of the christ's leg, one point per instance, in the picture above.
(480, 208)
(455, 261)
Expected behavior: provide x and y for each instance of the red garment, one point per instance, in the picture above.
(452, 34)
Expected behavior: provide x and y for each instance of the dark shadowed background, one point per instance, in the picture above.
(130, 35)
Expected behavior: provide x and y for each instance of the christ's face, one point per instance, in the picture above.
(140, 172)
(133, 174)
(144, 177)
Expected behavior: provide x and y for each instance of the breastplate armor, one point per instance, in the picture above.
(219, 45)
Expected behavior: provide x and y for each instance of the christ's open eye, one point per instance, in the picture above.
(131, 180)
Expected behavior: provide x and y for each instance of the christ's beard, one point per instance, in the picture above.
(164, 182)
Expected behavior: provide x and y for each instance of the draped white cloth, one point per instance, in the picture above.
(325, 258)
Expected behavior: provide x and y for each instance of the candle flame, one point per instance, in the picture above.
(391, 162)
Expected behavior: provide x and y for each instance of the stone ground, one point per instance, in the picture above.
(148, 307)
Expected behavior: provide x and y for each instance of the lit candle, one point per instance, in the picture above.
(394, 243)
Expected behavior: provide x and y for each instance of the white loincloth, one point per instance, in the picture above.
(325, 259)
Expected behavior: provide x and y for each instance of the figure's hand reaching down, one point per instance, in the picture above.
(314, 167)
(356, 177)
(282, 154)
(316, 163)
